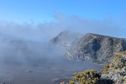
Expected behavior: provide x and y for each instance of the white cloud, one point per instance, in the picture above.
(46, 31)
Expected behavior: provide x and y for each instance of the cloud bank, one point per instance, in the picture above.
(48, 30)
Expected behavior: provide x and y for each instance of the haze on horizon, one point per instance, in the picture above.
(44, 19)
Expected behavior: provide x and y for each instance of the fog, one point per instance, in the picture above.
(34, 62)
(45, 31)
(28, 57)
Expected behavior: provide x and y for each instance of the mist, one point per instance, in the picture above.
(28, 57)
(25, 61)
(47, 30)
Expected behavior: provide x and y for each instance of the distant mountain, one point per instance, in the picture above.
(65, 39)
(96, 47)
(99, 48)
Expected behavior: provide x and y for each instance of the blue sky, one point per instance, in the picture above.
(53, 16)
(44, 10)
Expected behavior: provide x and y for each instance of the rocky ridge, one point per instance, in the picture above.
(98, 48)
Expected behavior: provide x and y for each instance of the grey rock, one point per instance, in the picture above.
(99, 48)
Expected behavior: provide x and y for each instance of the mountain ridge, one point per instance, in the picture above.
(94, 47)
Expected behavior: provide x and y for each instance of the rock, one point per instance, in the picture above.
(117, 69)
(98, 48)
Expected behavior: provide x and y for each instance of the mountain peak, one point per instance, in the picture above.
(65, 38)
(96, 47)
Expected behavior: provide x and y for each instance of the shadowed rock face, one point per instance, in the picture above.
(96, 47)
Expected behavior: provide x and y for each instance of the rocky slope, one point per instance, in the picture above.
(89, 77)
(112, 73)
(98, 48)
(116, 70)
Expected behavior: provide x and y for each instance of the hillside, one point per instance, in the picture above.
(116, 70)
(112, 73)
(99, 48)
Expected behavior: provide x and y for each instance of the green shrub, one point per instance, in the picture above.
(85, 77)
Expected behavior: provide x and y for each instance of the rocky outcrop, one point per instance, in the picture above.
(116, 70)
(98, 48)
(89, 77)
(112, 73)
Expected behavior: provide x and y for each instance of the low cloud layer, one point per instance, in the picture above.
(48, 30)
(48, 61)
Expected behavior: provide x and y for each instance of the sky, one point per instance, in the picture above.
(99, 16)
(44, 10)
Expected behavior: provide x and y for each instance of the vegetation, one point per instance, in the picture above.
(112, 73)
(116, 70)
(85, 77)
